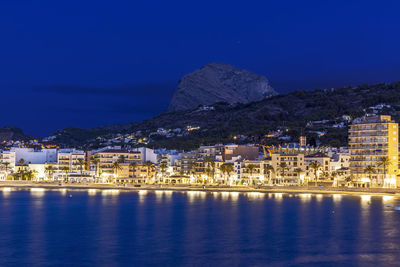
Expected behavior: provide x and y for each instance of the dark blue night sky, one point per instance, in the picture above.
(89, 63)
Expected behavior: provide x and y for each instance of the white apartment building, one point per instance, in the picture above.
(147, 154)
(68, 161)
(32, 156)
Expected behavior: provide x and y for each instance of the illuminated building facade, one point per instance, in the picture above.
(372, 139)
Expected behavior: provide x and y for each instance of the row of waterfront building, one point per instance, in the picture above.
(370, 160)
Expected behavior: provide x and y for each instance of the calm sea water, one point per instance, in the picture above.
(109, 228)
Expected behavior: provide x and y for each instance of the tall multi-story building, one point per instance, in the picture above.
(71, 159)
(109, 156)
(287, 167)
(372, 139)
(187, 162)
(209, 151)
(323, 160)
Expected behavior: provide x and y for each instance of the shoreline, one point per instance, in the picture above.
(21, 185)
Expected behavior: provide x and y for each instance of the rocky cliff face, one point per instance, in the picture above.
(12, 133)
(216, 82)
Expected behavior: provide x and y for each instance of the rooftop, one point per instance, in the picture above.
(373, 119)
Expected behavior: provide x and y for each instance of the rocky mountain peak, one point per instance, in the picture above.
(216, 82)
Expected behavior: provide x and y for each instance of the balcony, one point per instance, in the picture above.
(367, 134)
(369, 153)
(369, 141)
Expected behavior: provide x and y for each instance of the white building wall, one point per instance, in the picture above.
(39, 170)
(35, 157)
(147, 154)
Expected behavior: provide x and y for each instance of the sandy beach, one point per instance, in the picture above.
(208, 188)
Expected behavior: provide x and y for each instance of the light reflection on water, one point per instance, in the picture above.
(38, 192)
(92, 192)
(256, 195)
(63, 191)
(164, 227)
(278, 196)
(195, 195)
(234, 196)
(365, 198)
(337, 197)
(108, 192)
(6, 191)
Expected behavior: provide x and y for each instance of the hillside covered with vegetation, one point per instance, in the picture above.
(226, 123)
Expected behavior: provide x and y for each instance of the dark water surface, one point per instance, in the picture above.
(112, 228)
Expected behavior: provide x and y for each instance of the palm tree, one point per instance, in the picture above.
(250, 169)
(229, 169)
(6, 164)
(298, 171)
(315, 166)
(65, 169)
(334, 175)
(192, 170)
(226, 169)
(21, 174)
(384, 162)
(81, 163)
(121, 159)
(268, 169)
(116, 167)
(370, 170)
(95, 163)
(283, 167)
(163, 167)
(29, 175)
(199, 170)
(149, 166)
(132, 167)
(49, 170)
(222, 168)
(210, 163)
